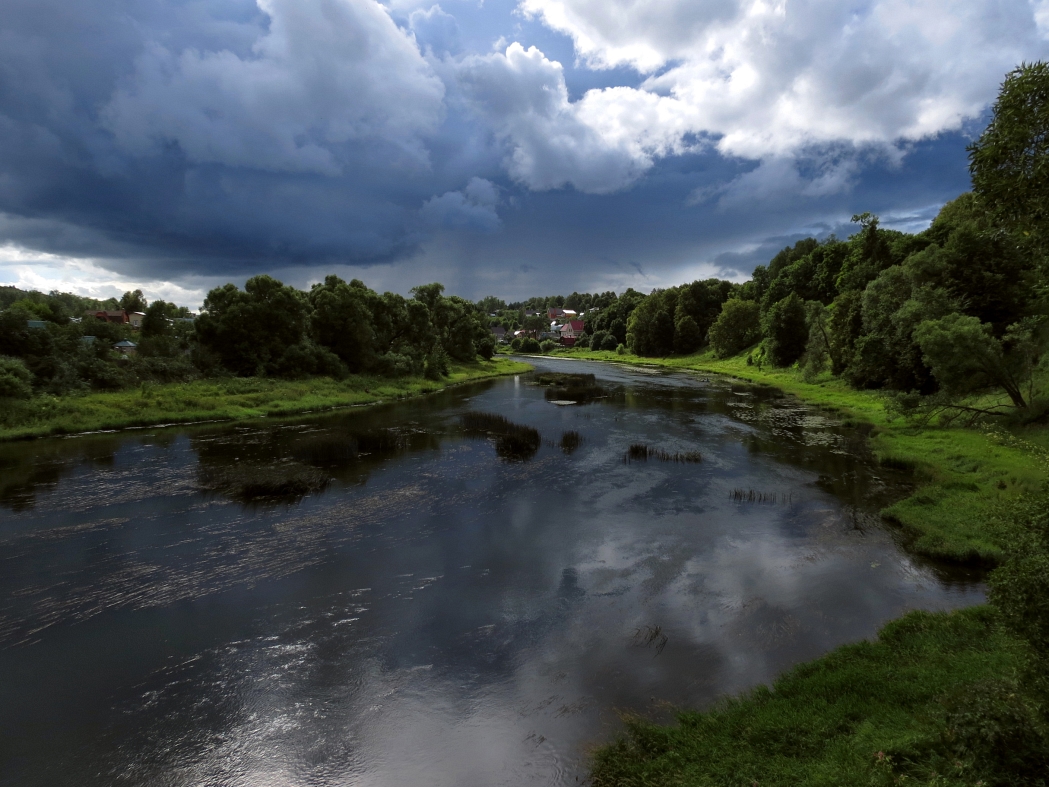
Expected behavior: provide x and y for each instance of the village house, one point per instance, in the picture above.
(118, 317)
(136, 318)
(499, 332)
(553, 313)
(571, 331)
(125, 347)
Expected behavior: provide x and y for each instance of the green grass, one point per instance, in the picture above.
(223, 399)
(964, 475)
(853, 717)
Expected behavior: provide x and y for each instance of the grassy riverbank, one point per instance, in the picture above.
(225, 399)
(886, 712)
(965, 475)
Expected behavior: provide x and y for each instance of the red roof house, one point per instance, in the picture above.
(571, 331)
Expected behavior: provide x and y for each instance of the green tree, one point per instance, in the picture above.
(342, 321)
(650, 329)
(966, 357)
(251, 330)
(886, 354)
(491, 305)
(598, 338)
(736, 328)
(687, 336)
(786, 331)
(869, 255)
(133, 301)
(155, 323)
(1009, 163)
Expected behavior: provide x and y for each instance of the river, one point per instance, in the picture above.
(419, 604)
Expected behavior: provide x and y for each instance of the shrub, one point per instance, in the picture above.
(610, 343)
(530, 345)
(486, 348)
(15, 379)
(1018, 586)
(436, 365)
(598, 339)
(547, 345)
(621, 349)
(515, 345)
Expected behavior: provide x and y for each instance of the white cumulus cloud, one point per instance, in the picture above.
(772, 77)
(598, 144)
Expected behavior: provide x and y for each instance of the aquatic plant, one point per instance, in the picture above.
(249, 482)
(647, 636)
(754, 496)
(570, 441)
(513, 442)
(639, 452)
(571, 387)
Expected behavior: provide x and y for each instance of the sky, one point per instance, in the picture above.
(501, 147)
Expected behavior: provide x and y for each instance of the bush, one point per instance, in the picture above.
(610, 343)
(436, 365)
(621, 349)
(486, 348)
(994, 734)
(1018, 586)
(515, 345)
(547, 345)
(736, 328)
(598, 339)
(15, 379)
(530, 345)
(393, 364)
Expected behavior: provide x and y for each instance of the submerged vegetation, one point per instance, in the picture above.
(570, 441)
(640, 452)
(577, 388)
(513, 442)
(754, 496)
(249, 482)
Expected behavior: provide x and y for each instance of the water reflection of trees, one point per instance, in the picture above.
(286, 462)
(28, 469)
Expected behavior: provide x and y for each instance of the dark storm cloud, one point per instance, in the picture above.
(219, 135)
(201, 140)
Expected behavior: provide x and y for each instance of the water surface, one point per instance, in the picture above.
(436, 613)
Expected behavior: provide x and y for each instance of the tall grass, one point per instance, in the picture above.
(873, 713)
(640, 452)
(222, 399)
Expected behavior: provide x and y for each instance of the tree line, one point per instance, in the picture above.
(268, 328)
